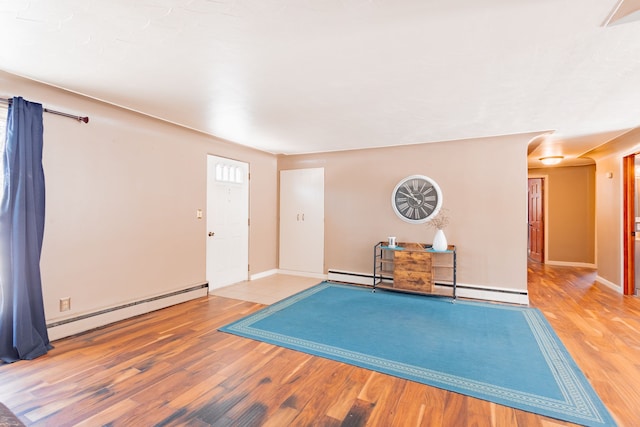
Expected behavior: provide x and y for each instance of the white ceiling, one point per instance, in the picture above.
(301, 76)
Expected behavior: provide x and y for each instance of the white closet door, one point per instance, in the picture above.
(302, 220)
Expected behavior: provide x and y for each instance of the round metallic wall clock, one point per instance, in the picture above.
(416, 199)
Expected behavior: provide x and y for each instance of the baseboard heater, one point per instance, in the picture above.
(512, 296)
(110, 314)
(351, 277)
(363, 279)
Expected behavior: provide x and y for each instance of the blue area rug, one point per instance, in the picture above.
(504, 354)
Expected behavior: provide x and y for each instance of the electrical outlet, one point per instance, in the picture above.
(65, 304)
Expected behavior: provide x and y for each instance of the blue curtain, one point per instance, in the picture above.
(23, 330)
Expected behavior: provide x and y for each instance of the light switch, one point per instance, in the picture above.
(199, 213)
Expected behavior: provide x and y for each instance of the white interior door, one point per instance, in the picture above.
(227, 221)
(302, 220)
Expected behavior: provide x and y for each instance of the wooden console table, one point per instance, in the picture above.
(415, 268)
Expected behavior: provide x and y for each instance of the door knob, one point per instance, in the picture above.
(211, 233)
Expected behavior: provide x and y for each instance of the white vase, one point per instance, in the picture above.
(439, 241)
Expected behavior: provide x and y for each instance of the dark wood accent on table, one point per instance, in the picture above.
(173, 368)
(415, 268)
(412, 271)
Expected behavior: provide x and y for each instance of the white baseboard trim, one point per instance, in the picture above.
(303, 274)
(263, 274)
(571, 264)
(487, 293)
(609, 284)
(60, 328)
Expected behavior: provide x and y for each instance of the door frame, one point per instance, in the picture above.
(628, 223)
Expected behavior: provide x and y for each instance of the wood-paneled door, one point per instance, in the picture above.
(535, 246)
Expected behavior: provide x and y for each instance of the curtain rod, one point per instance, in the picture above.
(59, 113)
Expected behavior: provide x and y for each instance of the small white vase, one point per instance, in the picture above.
(439, 241)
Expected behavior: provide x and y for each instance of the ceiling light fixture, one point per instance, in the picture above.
(551, 160)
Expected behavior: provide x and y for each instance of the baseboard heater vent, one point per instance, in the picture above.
(362, 279)
(502, 291)
(511, 296)
(124, 306)
(350, 277)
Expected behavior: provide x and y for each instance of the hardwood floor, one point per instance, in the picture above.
(172, 368)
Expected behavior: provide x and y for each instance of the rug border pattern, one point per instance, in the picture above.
(577, 402)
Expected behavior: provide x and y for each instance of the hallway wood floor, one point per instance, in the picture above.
(172, 368)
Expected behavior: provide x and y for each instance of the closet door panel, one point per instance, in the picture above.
(302, 220)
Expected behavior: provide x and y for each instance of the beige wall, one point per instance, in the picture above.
(570, 214)
(609, 220)
(484, 185)
(609, 200)
(122, 195)
(123, 192)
